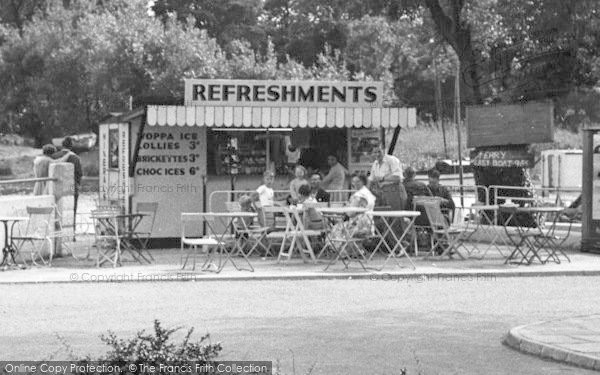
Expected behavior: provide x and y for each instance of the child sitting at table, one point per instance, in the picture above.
(313, 220)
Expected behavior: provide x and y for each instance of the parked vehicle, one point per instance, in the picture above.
(448, 166)
(81, 142)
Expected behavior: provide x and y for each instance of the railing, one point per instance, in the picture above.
(5, 183)
(27, 180)
(467, 192)
(335, 196)
(532, 194)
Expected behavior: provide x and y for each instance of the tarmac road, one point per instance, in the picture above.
(447, 326)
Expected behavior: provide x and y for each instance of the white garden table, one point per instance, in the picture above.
(390, 218)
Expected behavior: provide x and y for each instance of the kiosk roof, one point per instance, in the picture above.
(280, 117)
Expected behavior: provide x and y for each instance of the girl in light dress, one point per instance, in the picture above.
(299, 180)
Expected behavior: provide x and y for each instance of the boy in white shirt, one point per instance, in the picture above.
(264, 193)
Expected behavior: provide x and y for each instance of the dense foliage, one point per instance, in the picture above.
(67, 64)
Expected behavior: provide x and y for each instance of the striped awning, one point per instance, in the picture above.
(280, 117)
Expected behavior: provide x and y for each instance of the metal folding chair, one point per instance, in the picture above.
(37, 233)
(346, 246)
(422, 227)
(446, 237)
(555, 240)
(77, 238)
(107, 238)
(194, 241)
(143, 236)
(247, 235)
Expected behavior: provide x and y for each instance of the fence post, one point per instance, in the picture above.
(62, 188)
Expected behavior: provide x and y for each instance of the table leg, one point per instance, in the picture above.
(223, 251)
(398, 242)
(5, 249)
(9, 249)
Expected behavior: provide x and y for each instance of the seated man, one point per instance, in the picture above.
(413, 187)
(438, 190)
(316, 191)
(334, 180)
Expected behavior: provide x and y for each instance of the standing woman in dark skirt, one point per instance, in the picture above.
(385, 180)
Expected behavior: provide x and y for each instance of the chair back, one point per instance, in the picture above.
(238, 223)
(106, 223)
(193, 220)
(269, 215)
(149, 208)
(39, 221)
(108, 205)
(435, 215)
(314, 204)
(233, 206)
(422, 199)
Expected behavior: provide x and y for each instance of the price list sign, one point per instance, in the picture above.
(169, 153)
(169, 170)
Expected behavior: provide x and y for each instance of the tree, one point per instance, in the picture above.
(71, 66)
(224, 20)
(15, 13)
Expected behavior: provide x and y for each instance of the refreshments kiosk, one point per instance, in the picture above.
(178, 155)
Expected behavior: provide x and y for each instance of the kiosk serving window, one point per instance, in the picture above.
(249, 152)
(244, 152)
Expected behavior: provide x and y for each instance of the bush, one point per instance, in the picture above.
(154, 349)
(159, 348)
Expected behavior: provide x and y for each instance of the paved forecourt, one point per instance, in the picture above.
(574, 340)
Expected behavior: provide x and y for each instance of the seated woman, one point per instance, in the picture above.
(357, 224)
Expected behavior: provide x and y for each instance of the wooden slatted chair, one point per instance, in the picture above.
(444, 236)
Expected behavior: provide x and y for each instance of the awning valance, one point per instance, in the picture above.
(280, 117)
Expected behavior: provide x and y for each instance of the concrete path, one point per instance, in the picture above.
(573, 340)
(167, 268)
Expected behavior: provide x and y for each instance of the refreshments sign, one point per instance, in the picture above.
(249, 93)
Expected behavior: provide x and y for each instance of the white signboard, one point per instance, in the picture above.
(596, 179)
(123, 154)
(103, 151)
(169, 170)
(250, 93)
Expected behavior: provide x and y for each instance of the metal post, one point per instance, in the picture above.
(204, 181)
(268, 140)
(457, 119)
(587, 228)
(438, 105)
